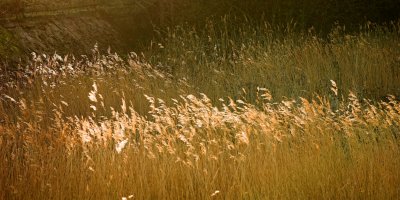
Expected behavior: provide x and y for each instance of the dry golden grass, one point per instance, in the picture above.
(97, 127)
(193, 150)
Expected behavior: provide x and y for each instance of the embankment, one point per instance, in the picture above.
(74, 30)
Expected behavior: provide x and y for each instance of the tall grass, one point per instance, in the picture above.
(225, 56)
(174, 122)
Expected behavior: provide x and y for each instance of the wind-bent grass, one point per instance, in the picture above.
(193, 150)
(97, 128)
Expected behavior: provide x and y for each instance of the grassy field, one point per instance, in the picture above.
(231, 110)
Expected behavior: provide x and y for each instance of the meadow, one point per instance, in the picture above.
(230, 110)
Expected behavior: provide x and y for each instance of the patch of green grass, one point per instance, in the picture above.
(225, 56)
(8, 46)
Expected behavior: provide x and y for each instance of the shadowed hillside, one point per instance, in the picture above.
(71, 26)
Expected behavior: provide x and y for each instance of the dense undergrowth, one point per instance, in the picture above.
(227, 112)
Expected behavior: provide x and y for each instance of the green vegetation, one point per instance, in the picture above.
(8, 45)
(231, 110)
(225, 56)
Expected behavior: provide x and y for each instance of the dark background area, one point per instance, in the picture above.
(317, 13)
(321, 14)
(66, 26)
